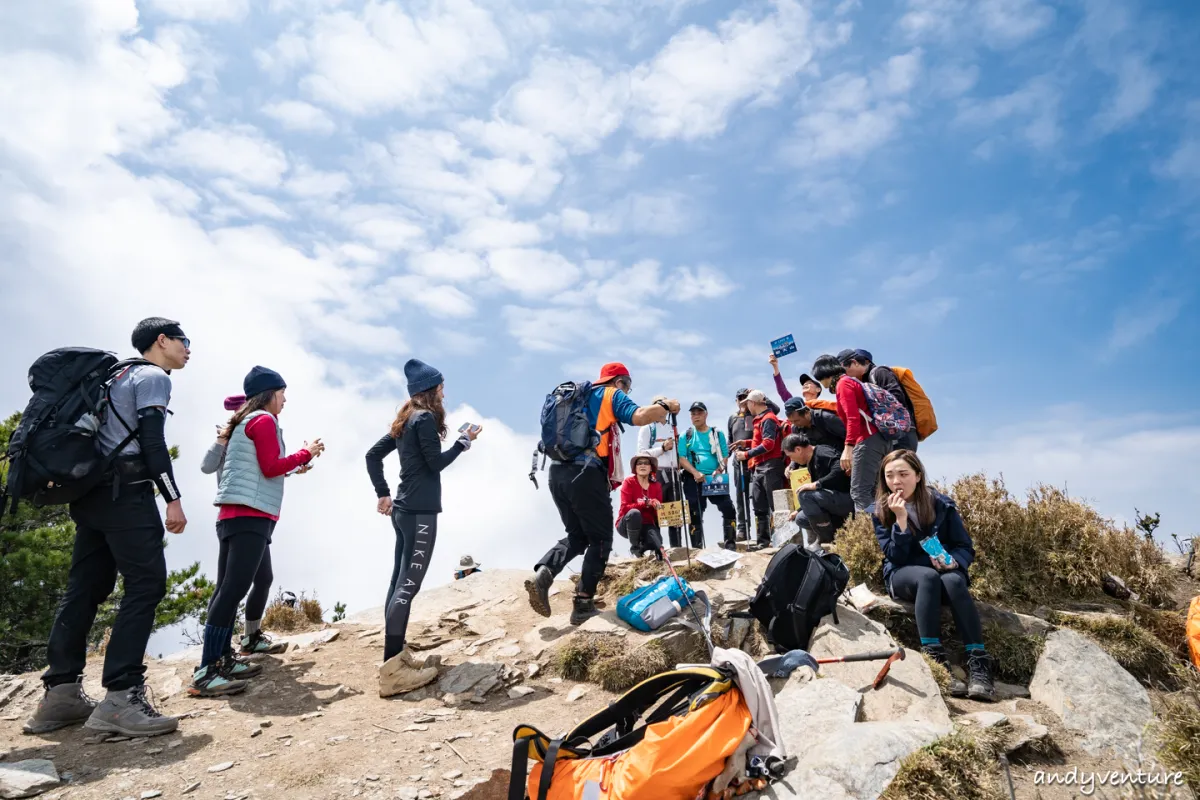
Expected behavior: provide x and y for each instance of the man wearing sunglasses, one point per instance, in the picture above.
(118, 530)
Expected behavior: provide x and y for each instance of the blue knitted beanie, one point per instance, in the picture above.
(421, 376)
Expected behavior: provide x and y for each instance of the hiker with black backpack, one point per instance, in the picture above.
(860, 364)
(416, 434)
(581, 435)
(763, 454)
(817, 424)
(703, 452)
(249, 498)
(873, 417)
(118, 529)
(824, 502)
(926, 554)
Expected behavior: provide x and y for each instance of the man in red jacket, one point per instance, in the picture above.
(865, 446)
(765, 459)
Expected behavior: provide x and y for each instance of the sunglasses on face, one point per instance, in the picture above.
(187, 343)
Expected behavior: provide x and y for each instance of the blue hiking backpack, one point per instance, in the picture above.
(888, 415)
(567, 433)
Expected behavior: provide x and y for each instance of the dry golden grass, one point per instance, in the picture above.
(962, 766)
(284, 618)
(608, 661)
(855, 542)
(1016, 654)
(1177, 728)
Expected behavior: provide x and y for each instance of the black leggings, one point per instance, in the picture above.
(416, 536)
(926, 587)
(243, 561)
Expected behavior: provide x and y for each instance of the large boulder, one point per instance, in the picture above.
(910, 692)
(1092, 694)
(27, 778)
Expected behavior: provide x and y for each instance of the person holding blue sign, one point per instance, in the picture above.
(703, 452)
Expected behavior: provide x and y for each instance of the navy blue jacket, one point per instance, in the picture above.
(903, 548)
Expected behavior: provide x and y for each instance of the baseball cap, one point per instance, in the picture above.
(806, 378)
(613, 369)
(794, 404)
(844, 356)
(741, 394)
(698, 406)
(756, 396)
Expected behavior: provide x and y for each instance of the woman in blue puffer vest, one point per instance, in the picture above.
(911, 521)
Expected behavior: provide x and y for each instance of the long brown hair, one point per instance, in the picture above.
(922, 497)
(258, 402)
(427, 400)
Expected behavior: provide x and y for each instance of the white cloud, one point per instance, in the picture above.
(203, 10)
(296, 115)
(571, 99)
(700, 283)
(239, 151)
(494, 234)
(540, 330)
(857, 318)
(304, 181)
(532, 272)
(1184, 162)
(383, 58)
(254, 205)
(1000, 24)
(438, 299)
(1137, 86)
(1007, 23)
(447, 265)
(849, 116)
(1133, 325)
(1033, 108)
(386, 227)
(1117, 44)
(690, 88)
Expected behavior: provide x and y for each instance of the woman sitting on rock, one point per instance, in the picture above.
(906, 513)
(641, 495)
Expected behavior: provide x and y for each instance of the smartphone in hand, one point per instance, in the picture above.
(469, 426)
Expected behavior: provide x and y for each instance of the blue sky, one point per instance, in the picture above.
(1000, 195)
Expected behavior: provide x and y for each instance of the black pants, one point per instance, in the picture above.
(768, 477)
(823, 511)
(642, 537)
(419, 535)
(243, 571)
(667, 479)
(698, 503)
(740, 486)
(585, 504)
(927, 588)
(123, 536)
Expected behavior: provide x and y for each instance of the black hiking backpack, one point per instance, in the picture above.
(53, 456)
(799, 589)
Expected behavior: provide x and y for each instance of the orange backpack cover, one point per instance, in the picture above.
(1193, 630)
(926, 420)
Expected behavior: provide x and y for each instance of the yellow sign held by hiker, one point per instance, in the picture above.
(671, 515)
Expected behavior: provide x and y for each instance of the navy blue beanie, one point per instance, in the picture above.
(261, 379)
(421, 376)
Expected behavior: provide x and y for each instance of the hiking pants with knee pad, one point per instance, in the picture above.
(823, 511)
(417, 534)
(122, 535)
(868, 455)
(584, 502)
(928, 588)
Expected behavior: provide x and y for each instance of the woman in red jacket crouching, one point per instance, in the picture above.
(641, 495)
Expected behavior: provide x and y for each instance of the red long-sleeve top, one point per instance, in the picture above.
(634, 496)
(262, 431)
(852, 405)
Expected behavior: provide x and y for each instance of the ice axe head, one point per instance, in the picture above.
(887, 665)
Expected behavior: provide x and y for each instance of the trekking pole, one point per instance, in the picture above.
(695, 616)
(677, 480)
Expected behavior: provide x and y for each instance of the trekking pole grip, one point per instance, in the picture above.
(879, 655)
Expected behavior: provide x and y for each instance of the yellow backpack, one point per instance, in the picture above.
(926, 420)
(682, 745)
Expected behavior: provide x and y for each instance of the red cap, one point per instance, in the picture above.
(614, 369)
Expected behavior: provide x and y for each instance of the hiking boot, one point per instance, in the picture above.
(403, 673)
(539, 590)
(730, 530)
(61, 705)
(938, 653)
(583, 610)
(259, 642)
(240, 668)
(762, 529)
(979, 676)
(129, 712)
(216, 680)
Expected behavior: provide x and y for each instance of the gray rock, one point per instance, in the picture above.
(222, 767)
(1092, 694)
(27, 778)
(984, 719)
(576, 693)
(818, 705)
(1026, 730)
(853, 761)
(1010, 691)
(465, 677)
(9, 686)
(910, 692)
(517, 692)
